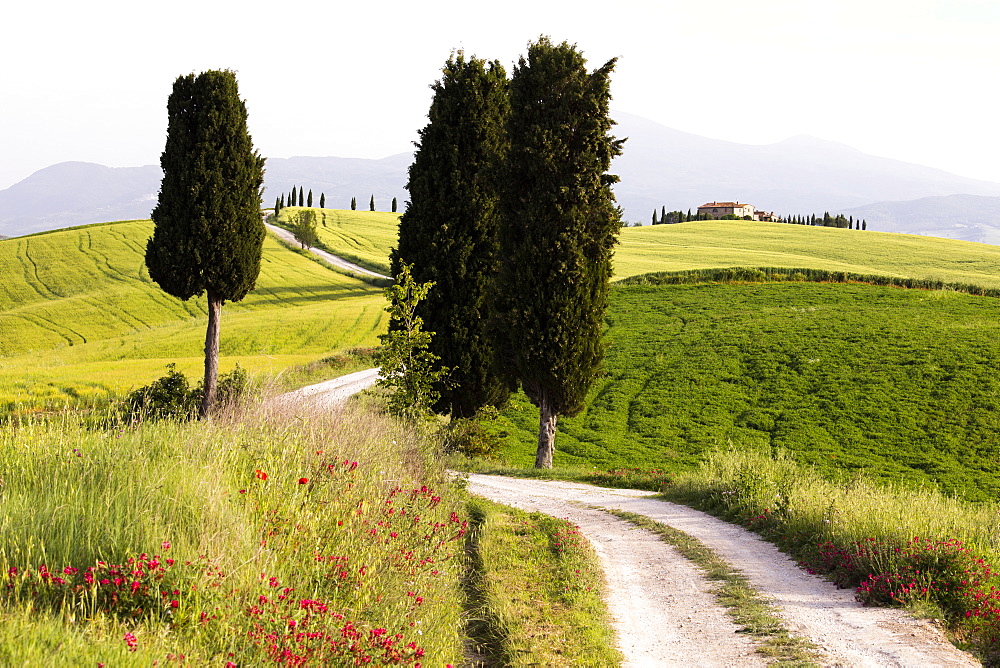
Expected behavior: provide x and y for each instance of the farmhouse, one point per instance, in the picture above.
(719, 209)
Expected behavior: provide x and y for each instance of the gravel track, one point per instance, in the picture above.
(664, 614)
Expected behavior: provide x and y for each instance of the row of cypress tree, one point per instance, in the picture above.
(303, 200)
(512, 217)
(307, 200)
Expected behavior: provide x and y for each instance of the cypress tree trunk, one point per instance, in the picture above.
(546, 434)
(211, 353)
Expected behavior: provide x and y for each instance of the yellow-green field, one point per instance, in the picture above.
(363, 237)
(79, 316)
(710, 244)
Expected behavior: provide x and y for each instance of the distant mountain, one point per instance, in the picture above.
(660, 167)
(77, 193)
(802, 175)
(968, 217)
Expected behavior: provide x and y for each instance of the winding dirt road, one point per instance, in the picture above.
(329, 258)
(664, 612)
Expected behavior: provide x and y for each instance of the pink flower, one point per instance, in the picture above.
(165, 545)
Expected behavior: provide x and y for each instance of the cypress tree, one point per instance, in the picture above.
(371, 205)
(208, 233)
(277, 206)
(282, 200)
(309, 199)
(394, 205)
(663, 214)
(301, 199)
(689, 214)
(559, 226)
(864, 224)
(322, 200)
(655, 221)
(450, 227)
(354, 204)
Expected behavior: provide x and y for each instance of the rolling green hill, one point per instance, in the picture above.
(362, 237)
(367, 237)
(79, 315)
(900, 383)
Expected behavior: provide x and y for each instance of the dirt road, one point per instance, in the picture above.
(322, 254)
(664, 612)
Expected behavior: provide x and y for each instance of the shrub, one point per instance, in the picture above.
(172, 397)
(468, 437)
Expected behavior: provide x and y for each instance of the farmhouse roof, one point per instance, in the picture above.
(722, 204)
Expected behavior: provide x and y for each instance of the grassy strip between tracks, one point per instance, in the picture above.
(747, 608)
(534, 591)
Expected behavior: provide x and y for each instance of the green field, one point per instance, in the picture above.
(362, 237)
(847, 377)
(79, 316)
(708, 244)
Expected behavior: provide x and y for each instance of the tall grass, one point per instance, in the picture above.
(269, 537)
(899, 545)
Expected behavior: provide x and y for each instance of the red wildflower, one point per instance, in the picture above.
(303, 481)
(260, 474)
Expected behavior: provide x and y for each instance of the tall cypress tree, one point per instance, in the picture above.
(208, 231)
(309, 199)
(449, 230)
(301, 199)
(322, 200)
(371, 205)
(394, 205)
(354, 204)
(560, 225)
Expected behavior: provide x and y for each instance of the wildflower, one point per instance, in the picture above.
(131, 642)
(165, 545)
(260, 475)
(303, 481)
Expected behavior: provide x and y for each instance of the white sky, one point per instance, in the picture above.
(916, 80)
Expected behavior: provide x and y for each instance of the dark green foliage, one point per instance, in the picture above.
(394, 205)
(301, 199)
(172, 397)
(322, 200)
(208, 232)
(469, 437)
(371, 205)
(449, 230)
(309, 198)
(655, 221)
(560, 224)
(354, 204)
(277, 206)
(899, 383)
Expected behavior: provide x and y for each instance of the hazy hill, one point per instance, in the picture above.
(665, 167)
(968, 217)
(79, 193)
(660, 167)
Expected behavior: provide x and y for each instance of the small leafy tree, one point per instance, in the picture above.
(407, 369)
(304, 228)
